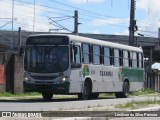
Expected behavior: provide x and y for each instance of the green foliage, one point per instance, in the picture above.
(104, 95)
(9, 94)
(134, 105)
(144, 91)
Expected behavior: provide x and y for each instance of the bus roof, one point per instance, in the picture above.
(77, 38)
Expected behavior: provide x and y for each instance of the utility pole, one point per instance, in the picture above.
(12, 24)
(76, 22)
(19, 41)
(34, 16)
(132, 23)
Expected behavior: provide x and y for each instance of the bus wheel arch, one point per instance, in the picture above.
(86, 90)
(125, 90)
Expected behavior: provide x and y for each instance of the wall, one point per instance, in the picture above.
(2, 76)
(18, 74)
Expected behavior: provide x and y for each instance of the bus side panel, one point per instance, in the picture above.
(135, 77)
(134, 86)
(111, 78)
(141, 75)
(75, 81)
(96, 75)
(131, 74)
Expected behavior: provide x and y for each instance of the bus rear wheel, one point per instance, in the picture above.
(125, 92)
(85, 93)
(47, 96)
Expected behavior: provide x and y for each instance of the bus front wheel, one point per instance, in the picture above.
(47, 96)
(125, 91)
(85, 93)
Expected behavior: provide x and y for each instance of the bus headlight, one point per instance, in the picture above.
(64, 79)
(26, 78)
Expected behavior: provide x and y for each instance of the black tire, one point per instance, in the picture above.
(47, 96)
(85, 95)
(94, 95)
(125, 92)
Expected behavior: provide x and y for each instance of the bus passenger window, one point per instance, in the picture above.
(140, 60)
(116, 57)
(125, 58)
(77, 54)
(107, 57)
(134, 60)
(96, 54)
(86, 53)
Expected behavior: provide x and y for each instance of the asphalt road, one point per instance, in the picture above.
(63, 104)
(37, 104)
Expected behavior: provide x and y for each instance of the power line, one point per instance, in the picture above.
(59, 25)
(148, 31)
(82, 18)
(103, 22)
(72, 12)
(8, 23)
(84, 10)
(36, 8)
(29, 3)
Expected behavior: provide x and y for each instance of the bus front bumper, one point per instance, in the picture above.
(62, 88)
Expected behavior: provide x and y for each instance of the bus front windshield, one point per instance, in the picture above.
(46, 59)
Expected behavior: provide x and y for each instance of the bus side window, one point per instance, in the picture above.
(116, 57)
(134, 60)
(86, 53)
(107, 56)
(125, 58)
(77, 54)
(76, 57)
(96, 54)
(140, 60)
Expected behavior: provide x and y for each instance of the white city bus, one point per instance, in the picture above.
(70, 64)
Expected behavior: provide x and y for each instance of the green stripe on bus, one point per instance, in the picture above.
(133, 75)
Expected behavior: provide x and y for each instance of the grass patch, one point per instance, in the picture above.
(65, 96)
(133, 105)
(104, 95)
(9, 94)
(144, 91)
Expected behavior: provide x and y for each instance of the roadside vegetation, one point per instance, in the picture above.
(144, 92)
(135, 105)
(9, 94)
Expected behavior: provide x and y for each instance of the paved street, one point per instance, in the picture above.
(37, 104)
(63, 104)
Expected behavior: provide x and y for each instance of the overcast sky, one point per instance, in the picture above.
(95, 16)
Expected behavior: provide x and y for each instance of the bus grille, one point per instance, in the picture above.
(44, 77)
